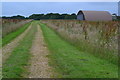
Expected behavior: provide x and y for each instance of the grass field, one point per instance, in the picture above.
(6, 39)
(11, 25)
(15, 64)
(67, 56)
(96, 38)
(72, 63)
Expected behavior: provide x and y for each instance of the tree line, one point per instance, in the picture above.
(44, 16)
(47, 16)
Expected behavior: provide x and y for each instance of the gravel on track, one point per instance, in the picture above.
(39, 67)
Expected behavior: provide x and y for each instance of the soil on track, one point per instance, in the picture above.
(7, 49)
(39, 67)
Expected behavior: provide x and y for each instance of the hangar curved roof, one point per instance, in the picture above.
(96, 15)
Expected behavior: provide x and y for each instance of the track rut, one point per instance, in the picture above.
(39, 67)
(7, 49)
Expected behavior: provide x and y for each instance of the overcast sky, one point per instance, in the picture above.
(28, 8)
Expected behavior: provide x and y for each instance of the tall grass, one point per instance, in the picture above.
(97, 38)
(69, 62)
(6, 39)
(0, 32)
(10, 25)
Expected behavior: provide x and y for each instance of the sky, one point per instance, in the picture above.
(60, 0)
(28, 8)
(119, 8)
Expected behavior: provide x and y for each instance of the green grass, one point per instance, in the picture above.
(14, 34)
(87, 47)
(15, 64)
(70, 62)
(0, 41)
(95, 50)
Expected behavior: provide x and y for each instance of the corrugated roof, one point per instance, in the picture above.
(96, 15)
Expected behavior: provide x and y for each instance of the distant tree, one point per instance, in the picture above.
(44, 16)
(54, 16)
(114, 14)
(36, 16)
(64, 16)
(118, 18)
(4, 17)
(73, 16)
(18, 17)
(27, 18)
(14, 17)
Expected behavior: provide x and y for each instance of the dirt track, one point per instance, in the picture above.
(39, 67)
(7, 49)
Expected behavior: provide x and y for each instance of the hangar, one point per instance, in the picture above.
(94, 15)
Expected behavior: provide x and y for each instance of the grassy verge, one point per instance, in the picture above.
(15, 64)
(71, 63)
(96, 50)
(14, 34)
(86, 46)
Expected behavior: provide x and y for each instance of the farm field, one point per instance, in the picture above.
(10, 27)
(60, 49)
